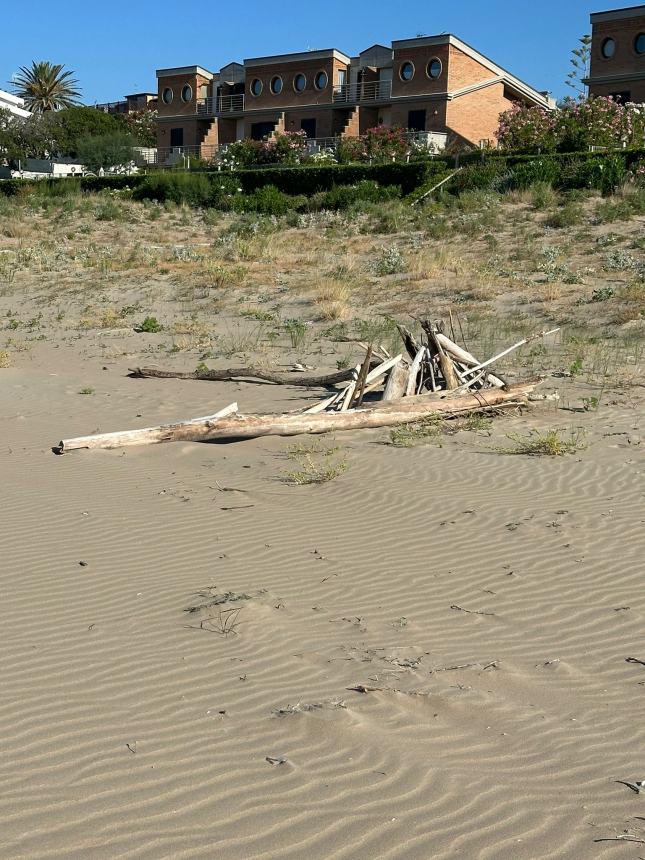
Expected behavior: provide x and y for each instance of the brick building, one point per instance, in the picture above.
(618, 54)
(428, 84)
(133, 103)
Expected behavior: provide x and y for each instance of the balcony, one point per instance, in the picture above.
(221, 105)
(368, 91)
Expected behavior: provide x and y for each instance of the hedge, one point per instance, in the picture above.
(66, 185)
(290, 180)
(603, 171)
(310, 180)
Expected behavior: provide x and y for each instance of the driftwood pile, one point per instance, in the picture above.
(436, 377)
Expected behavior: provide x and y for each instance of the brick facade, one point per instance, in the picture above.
(623, 72)
(474, 117)
(429, 84)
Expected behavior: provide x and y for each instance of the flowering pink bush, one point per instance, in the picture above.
(598, 121)
(527, 129)
(380, 143)
(287, 148)
(573, 127)
(385, 144)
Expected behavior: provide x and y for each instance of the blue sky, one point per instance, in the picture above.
(115, 47)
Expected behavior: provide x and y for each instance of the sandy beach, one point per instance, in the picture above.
(434, 655)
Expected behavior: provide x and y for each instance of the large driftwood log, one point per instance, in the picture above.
(404, 411)
(249, 374)
(147, 435)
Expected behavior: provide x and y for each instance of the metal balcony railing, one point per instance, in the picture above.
(367, 91)
(221, 104)
(230, 104)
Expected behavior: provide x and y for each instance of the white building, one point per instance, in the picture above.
(13, 104)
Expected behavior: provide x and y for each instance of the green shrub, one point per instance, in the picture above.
(343, 196)
(150, 324)
(540, 170)
(109, 210)
(267, 201)
(604, 174)
(568, 215)
(388, 262)
(542, 195)
(196, 189)
(614, 209)
(490, 175)
(111, 183)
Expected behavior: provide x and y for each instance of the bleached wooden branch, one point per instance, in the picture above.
(414, 371)
(192, 429)
(224, 425)
(515, 346)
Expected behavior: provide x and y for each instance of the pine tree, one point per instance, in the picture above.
(580, 58)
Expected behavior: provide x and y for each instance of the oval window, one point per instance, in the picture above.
(186, 93)
(276, 85)
(299, 82)
(321, 80)
(639, 43)
(166, 96)
(256, 87)
(434, 68)
(608, 48)
(406, 71)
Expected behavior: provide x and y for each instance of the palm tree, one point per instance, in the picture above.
(45, 86)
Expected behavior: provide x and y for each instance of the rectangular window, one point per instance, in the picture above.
(176, 137)
(621, 97)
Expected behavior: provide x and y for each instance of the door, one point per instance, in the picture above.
(341, 80)
(417, 120)
(176, 137)
(260, 130)
(385, 83)
(309, 127)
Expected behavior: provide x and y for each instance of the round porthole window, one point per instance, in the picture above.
(639, 43)
(186, 93)
(276, 85)
(166, 96)
(406, 72)
(321, 80)
(434, 68)
(256, 87)
(299, 82)
(608, 48)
